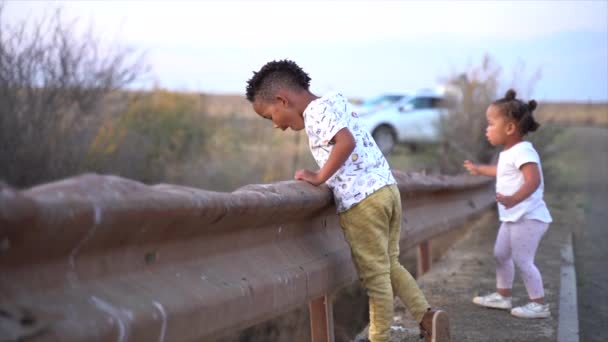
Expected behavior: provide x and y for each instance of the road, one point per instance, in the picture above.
(591, 238)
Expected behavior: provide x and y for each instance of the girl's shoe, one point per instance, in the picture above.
(532, 310)
(494, 300)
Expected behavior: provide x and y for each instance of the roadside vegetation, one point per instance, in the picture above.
(66, 109)
(52, 83)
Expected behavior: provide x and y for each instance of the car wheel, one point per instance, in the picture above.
(385, 139)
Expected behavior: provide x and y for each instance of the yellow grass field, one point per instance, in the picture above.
(554, 112)
(573, 113)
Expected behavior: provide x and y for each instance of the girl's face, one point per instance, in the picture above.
(281, 114)
(499, 128)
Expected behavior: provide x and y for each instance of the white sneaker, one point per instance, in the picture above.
(494, 300)
(532, 310)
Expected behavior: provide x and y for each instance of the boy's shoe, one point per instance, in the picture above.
(532, 310)
(494, 300)
(435, 326)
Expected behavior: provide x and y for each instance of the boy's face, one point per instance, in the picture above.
(281, 112)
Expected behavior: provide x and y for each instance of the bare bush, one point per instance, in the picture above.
(158, 132)
(51, 80)
(463, 129)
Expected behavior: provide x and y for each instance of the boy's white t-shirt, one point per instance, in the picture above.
(509, 178)
(365, 171)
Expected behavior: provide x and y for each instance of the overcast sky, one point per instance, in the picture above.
(361, 48)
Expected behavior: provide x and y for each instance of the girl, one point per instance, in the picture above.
(523, 214)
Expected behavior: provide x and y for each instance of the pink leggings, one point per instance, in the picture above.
(516, 244)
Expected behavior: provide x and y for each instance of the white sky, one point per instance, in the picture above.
(217, 22)
(214, 46)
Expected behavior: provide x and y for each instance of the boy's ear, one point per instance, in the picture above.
(282, 98)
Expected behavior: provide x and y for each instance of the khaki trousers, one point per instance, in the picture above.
(372, 229)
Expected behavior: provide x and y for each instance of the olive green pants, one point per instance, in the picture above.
(372, 229)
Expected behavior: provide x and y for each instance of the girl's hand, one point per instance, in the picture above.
(471, 167)
(311, 177)
(507, 201)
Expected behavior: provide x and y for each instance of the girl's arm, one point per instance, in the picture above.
(480, 169)
(343, 147)
(531, 182)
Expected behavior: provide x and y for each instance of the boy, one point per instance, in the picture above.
(365, 192)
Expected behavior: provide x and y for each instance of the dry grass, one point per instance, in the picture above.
(272, 155)
(573, 113)
(555, 112)
(238, 148)
(227, 105)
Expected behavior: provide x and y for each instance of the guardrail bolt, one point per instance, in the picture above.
(5, 244)
(151, 257)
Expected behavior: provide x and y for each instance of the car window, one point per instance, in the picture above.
(425, 102)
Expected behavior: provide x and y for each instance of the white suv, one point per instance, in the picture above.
(412, 120)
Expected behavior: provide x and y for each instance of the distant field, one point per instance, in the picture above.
(574, 113)
(559, 112)
(217, 142)
(226, 105)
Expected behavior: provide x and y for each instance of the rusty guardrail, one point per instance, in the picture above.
(102, 258)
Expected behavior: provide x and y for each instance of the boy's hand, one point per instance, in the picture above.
(507, 201)
(311, 177)
(471, 167)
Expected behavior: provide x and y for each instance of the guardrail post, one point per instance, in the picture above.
(321, 319)
(424, 258)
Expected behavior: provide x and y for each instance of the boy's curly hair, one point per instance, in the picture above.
(273, 76)
(519, 111)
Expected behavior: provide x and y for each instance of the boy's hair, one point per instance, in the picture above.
(518, 111)
(275, 75)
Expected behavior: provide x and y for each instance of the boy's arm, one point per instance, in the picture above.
(480, 169)
(531, 182)
(343, 147)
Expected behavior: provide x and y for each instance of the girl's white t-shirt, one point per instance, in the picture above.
(509, 178)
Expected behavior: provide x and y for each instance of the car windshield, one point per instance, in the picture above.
(382, 100)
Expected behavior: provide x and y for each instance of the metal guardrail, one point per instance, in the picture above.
(102, 258)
